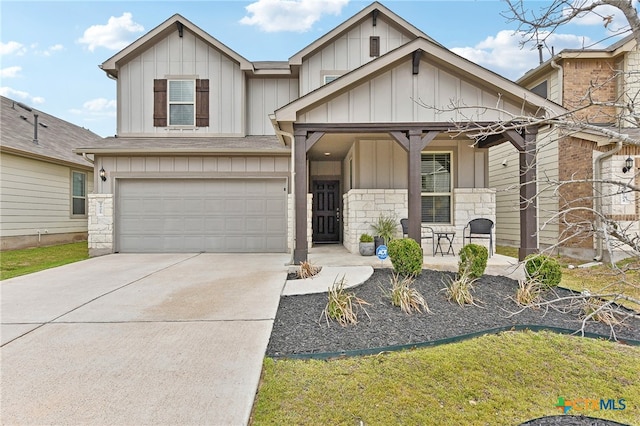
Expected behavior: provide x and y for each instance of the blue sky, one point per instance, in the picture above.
(50, 50)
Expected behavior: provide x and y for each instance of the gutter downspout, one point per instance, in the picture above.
(292, 183)
(597, 176)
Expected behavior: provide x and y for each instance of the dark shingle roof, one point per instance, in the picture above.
(267, 145)
(56, 138)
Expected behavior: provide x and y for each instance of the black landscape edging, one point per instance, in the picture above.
(395, 348)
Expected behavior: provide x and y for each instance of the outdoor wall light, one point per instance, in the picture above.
(103, 174)
(628, 164)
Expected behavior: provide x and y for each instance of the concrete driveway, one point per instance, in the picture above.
(138, 339)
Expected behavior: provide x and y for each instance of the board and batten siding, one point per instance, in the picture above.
(392, 97)
(190, 166)
(265, 95)
(504, 176)
(383, 164)
(175, 57)
(36, 196)
(348, 52)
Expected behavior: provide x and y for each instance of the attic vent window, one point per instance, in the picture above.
(374, 46)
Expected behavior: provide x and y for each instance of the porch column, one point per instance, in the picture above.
(414, 188)
(303, 144)
(414, 145)
(528, 200)
(526, 147)
(300, 197)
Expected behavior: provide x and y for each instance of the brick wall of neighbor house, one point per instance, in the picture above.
(579, 76)
(100, 224)
(362, 207)
(576, 160)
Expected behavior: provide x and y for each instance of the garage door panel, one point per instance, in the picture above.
(214, 215)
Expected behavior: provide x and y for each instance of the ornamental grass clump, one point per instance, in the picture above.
(406, 257)
(543, 269)
(307, 270)
(528, 292)
(473, 258)
(460, 289)
(404, 295)
(599, 310)
(342, 306)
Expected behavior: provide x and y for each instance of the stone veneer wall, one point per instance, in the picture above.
(291, 221)
(362, 207)
(100, 224)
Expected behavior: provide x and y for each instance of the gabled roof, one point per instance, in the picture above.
(56, 138)
(354, 21)
(174, 23)
(620, 47)
(437, 55)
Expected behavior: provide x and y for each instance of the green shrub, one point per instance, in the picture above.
(543, 269)
(366, 238)
(406, 256)
(473, 260)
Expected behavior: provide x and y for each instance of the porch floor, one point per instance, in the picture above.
(338, 255)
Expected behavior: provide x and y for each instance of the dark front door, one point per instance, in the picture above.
(326, 211)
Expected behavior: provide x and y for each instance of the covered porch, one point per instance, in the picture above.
(348, 175)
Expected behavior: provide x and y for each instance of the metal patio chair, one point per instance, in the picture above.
(430, 236)
(480, 228)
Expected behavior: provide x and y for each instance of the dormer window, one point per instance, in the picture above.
(182, 102)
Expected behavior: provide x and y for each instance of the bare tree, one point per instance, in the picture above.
(615, 118)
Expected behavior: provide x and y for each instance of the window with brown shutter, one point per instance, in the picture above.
(374, 46)
(202, 103)
(160, 103)
(181, 103)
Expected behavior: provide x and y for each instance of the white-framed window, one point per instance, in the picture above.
(78, 194)
(182, 102)
(436, 187)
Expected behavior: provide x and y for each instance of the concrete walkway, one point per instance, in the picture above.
(138, 339)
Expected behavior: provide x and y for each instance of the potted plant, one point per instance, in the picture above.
(385, 229)
(367, 247)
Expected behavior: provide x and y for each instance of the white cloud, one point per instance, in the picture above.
(597, 17)
(20, 95)
(116, 35)
(12, 47)
(97, 109)
(290, 15)
(10, 72)
(503, 54)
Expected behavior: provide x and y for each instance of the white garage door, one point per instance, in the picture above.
(201, 215)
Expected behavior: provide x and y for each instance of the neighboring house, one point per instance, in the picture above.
(43, 184)
(216, 153)
(611, 74)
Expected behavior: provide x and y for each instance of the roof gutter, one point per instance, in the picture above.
(292, 183)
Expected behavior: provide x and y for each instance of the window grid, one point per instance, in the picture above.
(436, 186)
(182, 96)
(78, 194)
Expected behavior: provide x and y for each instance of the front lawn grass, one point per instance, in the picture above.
(503, 379)
(21, 262)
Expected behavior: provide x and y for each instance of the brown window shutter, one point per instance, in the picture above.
(202, 103)
(160, 103)
(374, 46)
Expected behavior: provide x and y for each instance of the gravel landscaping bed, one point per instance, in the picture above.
(300, 328)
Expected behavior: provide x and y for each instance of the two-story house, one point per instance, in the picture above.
(44, 185)
(216, 153)
(595, 83)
